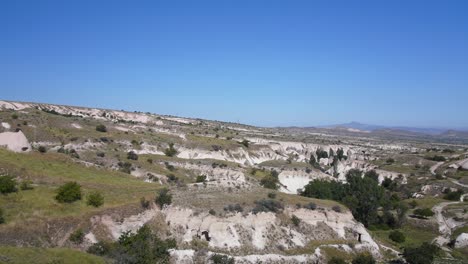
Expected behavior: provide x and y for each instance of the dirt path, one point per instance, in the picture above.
(445, 229)
(458, 183)
(435, 167)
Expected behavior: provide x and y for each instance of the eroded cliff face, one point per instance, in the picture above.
(248, 236)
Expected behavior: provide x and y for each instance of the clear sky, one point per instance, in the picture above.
(265, 63)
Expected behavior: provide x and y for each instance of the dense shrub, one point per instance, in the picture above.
(372, 174)
(95, 199)
(163, 198)
(170, 151)
(336, 208)
(363, 195)
(77, 236)
(42, 149)
(397, 236)
(437, 158)
(2, 218)
(144, 203)
(245, 142)
(101, 154)
(390, 161)
(295, 220)
(336, 260)
(68, 193)
(14, 116)
(7, 184)
(201, 178)
(267, 205)
(131, 155)
(364, 258)
(125, 167)
(271, 195)
(453, 196)
(221, 259)
(270, 181)
(101, 128)
(143, 247)
(321, 154)
(311, 206)
(424, 212)
(212, 212)
(233, 208)
(421, 255)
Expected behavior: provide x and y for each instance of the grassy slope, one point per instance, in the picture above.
(48, 171)
(12, 255)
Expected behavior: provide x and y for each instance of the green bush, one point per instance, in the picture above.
(453, 196)
(42, 149)
(2, 218)
(421, 255)
(101, 128)
(7, 184)
(295, 220)
(68, 193)
(335, 260)
(163, 198)
(271, 181)
(272, 195)
(170, 151)
(143, 247)
(201, 178)
(26, 185)
(364, 258)
(245, 142)
(267, 205)
(77, 236)
(221, 259)
(95, 199)
(397, 236)
(424, 212)
(132, 155)
(14, 116)
(144, 203)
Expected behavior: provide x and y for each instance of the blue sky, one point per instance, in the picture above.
(265, 63)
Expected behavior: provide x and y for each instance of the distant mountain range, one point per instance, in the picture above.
(374, 128)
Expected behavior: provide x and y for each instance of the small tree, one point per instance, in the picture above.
(7, 184)
(95, 199)
(77, 236)
(163, 198)
(101, 128)
(68, 193)
(397, 236)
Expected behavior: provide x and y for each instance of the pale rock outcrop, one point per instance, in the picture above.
(462, 240)
(15, 141)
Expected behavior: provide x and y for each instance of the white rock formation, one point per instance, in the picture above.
(15, 141)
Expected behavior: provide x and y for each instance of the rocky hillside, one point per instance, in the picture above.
(217, 191)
